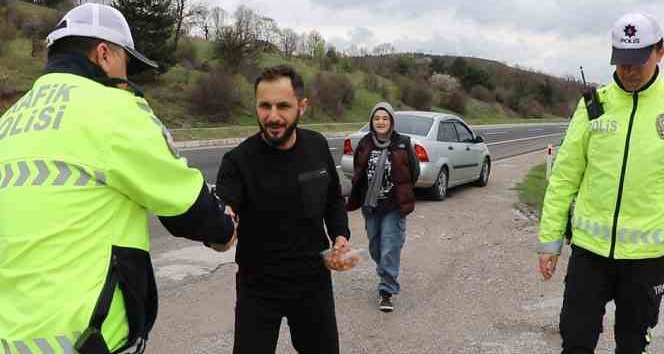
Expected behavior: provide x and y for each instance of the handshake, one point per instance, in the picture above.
(223, 247)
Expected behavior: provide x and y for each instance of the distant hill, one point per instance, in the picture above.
(200, 91)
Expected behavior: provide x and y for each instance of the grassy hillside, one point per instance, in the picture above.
(170, 94)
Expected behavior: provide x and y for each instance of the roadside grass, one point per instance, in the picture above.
(204, 49)
(19, 66)
(482, 113)
(169, 98)
(28, 9)
(532, 188)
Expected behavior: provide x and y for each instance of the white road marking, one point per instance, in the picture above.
(524, 139)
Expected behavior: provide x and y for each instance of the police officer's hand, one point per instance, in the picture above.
(223, 247)
(547, 265)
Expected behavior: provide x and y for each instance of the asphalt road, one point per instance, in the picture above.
(468, 275)
(445, 270)
(503, 141)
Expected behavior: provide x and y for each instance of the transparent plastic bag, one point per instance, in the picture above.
(345, 261)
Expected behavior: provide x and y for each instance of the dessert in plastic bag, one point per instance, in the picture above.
(344, 261)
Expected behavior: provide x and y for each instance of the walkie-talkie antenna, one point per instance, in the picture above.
(593, 105)
(583, 77)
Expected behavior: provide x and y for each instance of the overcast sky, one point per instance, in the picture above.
(552, 36)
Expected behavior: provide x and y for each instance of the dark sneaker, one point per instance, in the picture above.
(385, 303)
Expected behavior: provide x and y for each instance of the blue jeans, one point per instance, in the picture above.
(387, 234)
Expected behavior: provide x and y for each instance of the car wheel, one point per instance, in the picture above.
(439, 189)
(484, 174)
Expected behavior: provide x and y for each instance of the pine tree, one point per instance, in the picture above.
(152, 27)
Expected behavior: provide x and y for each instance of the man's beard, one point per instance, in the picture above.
(278, 141)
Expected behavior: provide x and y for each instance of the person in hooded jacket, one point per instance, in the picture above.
(385, 170)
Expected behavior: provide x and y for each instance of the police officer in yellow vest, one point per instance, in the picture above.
(613, 156)
(82, 160)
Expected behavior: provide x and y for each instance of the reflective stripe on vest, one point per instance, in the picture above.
(20, 172)
(633, 236)
(64, 345)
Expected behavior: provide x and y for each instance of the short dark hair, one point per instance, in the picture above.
(76, 45)
(659, 44)
(274, 73)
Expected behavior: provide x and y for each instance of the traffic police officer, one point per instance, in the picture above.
(82, 160)
(613, 156)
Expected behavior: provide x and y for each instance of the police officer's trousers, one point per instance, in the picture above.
(634, 285)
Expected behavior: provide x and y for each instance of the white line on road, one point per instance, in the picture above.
(524, 139)
(334, 149)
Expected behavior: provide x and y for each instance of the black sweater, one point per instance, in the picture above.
(284, 200)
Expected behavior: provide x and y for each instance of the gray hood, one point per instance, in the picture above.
(386, 107)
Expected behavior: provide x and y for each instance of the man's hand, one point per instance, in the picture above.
(547, 265)
(341, 244)
(230, 212)
(336, 260)
(223, 247)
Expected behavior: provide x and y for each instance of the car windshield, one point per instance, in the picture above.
(409, 124)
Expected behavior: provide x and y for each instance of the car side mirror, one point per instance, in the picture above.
(478, 139)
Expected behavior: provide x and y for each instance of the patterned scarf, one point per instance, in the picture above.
(375, 184)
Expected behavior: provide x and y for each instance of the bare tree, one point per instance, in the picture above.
(237, 42)
(301, 45)
(444, 83)
(197, 16)
(246, 20)
(217, 21)
(236, 46)
(352, 51)
(186, 15)
(267, 31)
(384, 49)
(288, 41)
(314, 44)
(355, 51)
(201, 20)
(179, 8)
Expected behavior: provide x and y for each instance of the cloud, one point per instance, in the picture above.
(552, 36)
(567, 17)
(361, 35)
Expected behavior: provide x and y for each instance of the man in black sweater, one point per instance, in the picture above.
(284, 187)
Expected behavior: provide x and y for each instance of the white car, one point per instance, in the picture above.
(450, 153)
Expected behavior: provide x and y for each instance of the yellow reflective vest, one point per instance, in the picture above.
(614, 165)
(81, 164)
